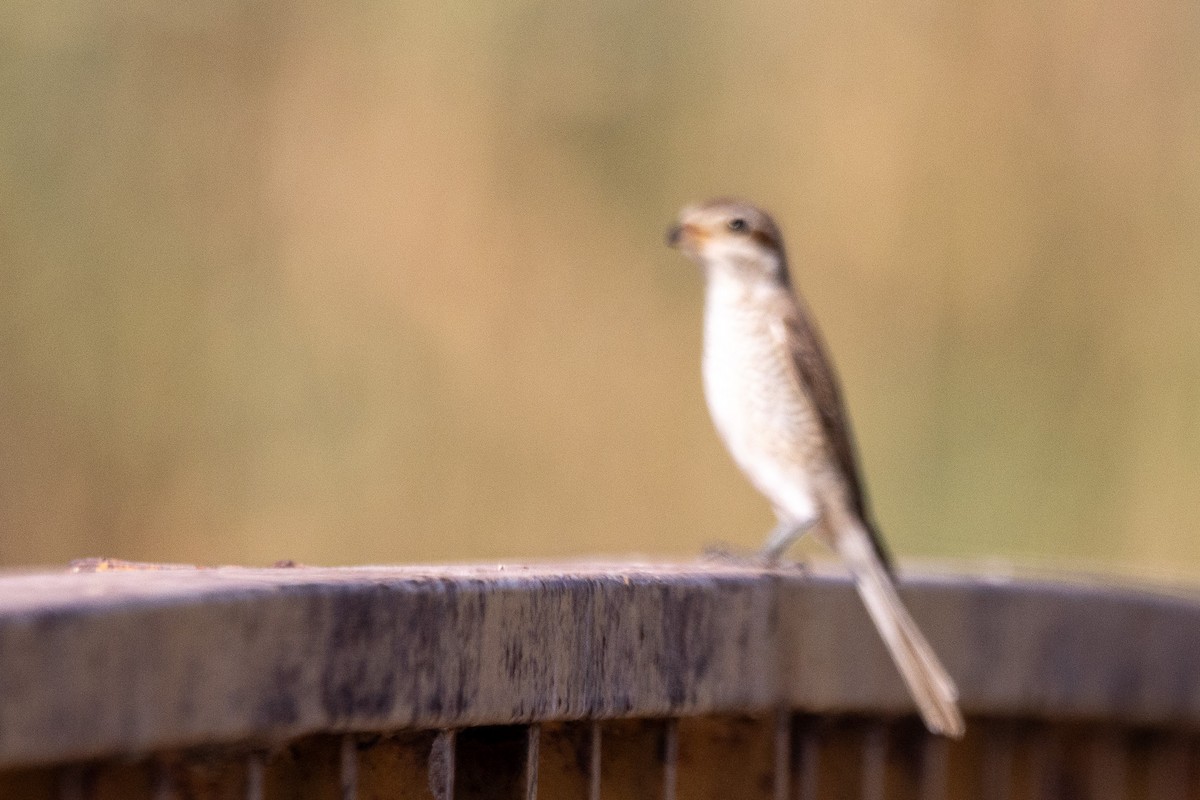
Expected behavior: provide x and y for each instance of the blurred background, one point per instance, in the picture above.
(386, 282)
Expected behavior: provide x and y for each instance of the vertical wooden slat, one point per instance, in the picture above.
(670, 758)
(255, 775)
(1039, 763)
(1031, 764)
(1193, 778)
(72, 783)
(164, 781)
(908, 760)
(782, 756)
(595, 756)
(1107, 766)
(935, 765)
(443, 766)
(806, 758)
(997, 760)
(348, 767)
(874, 761)
(1139, 747)
(1075, 773)
(1169, 769)
(533, 742)
(841, 744)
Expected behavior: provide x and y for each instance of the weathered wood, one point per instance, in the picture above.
(806, 758)
(723, 757)
(564, 761)
(395, 767)
(307, 769)
(984, 765)
(669, 754)
(533, 747)
(441, 765)
(935, 769)
(30, 784)
(127, 662)
(717, 757)
(633, 760)
(204, 776)
(783, 744)
(1017, 648)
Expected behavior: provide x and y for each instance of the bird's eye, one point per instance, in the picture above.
(737, 224)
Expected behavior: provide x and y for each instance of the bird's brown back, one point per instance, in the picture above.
(815, 374)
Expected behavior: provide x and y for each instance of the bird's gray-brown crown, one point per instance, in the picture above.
(732, 233)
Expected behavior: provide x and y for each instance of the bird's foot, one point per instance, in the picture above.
(722, 553)
(784, 565)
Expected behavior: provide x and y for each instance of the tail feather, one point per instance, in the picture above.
(930, 685)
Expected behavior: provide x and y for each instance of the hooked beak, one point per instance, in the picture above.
(685, 236)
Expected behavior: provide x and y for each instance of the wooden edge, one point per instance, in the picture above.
(130, 660)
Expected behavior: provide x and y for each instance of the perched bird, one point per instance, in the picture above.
(775, 401)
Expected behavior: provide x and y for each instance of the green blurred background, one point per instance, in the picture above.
(383, 282)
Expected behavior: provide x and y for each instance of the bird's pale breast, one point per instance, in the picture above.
(766, 419)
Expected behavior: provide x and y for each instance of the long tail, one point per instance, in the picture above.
(931, 686)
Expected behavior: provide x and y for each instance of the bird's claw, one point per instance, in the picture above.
(722, 553)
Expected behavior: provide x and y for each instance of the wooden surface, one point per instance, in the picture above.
(749, 758)
(106, 663)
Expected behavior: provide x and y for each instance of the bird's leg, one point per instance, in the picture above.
(784, 534)
(724, 553)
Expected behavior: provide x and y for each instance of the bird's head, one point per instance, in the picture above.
(733, 237)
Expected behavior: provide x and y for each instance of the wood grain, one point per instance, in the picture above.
(130, 661)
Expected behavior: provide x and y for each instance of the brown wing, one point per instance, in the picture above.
(816, 375)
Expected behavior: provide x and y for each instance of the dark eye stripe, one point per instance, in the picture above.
(765, 239)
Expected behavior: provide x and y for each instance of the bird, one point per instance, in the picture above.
(776, 403)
